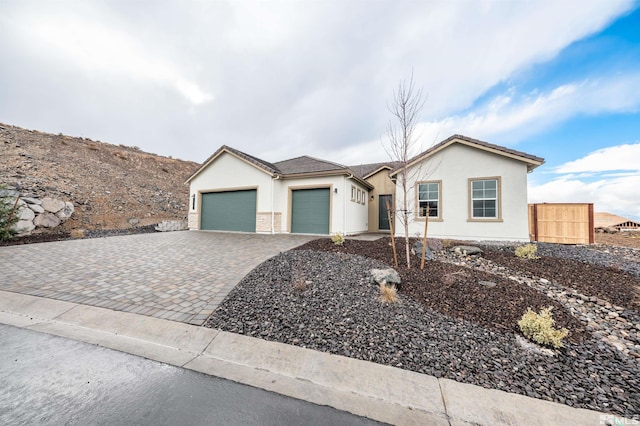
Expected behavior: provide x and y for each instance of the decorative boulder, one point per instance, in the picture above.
(467, 250)
(37, 208)
(25, 213)
(31, 200)
(171, 225)
(24, 227)
(417, 251)
(51, 205)
(66, 212)
(46, 220)
(385, 276)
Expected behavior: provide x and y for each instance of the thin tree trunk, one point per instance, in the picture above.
(424, 240)
(392, 231)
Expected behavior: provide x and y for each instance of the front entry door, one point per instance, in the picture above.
(383, 218)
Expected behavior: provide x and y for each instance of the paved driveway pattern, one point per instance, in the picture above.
(180, 276)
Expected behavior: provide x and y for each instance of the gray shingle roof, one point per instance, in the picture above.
(364, 170)
(306, 164)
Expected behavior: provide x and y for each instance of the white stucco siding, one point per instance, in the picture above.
(228, 173)
(345, 217)
(453, 167)
(357, 213)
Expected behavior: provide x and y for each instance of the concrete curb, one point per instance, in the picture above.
(379, 392)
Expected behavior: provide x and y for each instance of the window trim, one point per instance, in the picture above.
(359, 196)
(498, 217)
(353, 193)
(438, 218)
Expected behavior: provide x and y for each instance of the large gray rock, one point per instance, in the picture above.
(171, 225)
(385, 276)
(417, 251)
(37, 208)
(24, 227)
(467, 250)
(66, 212)
(31, 200)
(46, 220)
(52, 205)
(25, 213)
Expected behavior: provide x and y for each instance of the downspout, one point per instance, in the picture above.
(273, 220)
(344, 203)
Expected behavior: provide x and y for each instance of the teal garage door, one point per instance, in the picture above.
(310, 211)
(229, 211)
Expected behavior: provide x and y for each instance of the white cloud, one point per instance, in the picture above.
(593, 179)
(508, 118)
(310, 77)
(619, 157)
(101, 50)
(617, 195)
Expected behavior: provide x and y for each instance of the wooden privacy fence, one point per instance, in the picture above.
(563, 223)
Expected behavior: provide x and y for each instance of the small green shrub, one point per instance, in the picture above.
(539, 328)
(527, 251)
(338, 239)
(8, 216)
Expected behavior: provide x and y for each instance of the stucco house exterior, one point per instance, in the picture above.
(234, 191)
(474, 190)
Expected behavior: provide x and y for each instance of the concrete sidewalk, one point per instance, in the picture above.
(363, 388)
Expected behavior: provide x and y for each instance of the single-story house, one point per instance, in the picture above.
(470, 189)
(608, 220)
(474, 190)
(234, 191)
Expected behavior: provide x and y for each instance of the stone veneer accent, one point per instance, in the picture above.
(263, 222)
(193, 221)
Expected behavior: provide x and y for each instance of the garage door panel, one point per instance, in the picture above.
(310, 211)
(229, 211)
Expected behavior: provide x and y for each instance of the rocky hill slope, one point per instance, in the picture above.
(110, 186)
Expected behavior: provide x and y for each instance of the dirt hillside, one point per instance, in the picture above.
(111, 186)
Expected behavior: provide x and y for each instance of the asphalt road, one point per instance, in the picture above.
(50, 380)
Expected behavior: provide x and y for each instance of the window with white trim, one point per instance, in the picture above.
(429, 199)
(353, 193)
(484, 199)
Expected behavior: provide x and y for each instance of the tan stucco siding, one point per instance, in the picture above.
(382, 185)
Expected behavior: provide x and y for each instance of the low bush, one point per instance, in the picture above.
(388, 294)
(527, 251)
(539, 328)
(338, 239)
(8, 216)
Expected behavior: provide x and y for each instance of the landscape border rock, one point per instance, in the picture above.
(171, 225)
(36, 213)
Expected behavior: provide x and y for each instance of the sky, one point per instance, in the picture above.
(559, 79)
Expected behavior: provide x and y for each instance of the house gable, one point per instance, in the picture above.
(530, 160)
(261, 165)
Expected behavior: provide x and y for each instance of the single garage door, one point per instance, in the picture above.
(229, 211)
(310, 211)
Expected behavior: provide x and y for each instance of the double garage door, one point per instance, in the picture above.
(236, 211)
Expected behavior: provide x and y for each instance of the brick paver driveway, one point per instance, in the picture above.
(180, 276)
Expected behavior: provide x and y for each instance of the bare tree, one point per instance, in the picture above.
(402, 139)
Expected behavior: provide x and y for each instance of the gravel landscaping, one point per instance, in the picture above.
(447, 324)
